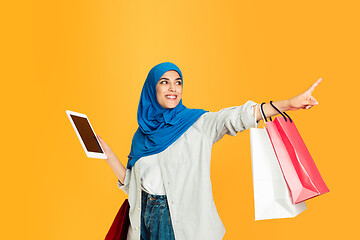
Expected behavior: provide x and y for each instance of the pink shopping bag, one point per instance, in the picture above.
(299, 170)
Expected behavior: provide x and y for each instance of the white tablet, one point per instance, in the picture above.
(86, 135)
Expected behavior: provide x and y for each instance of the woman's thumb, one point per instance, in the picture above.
(314, 101)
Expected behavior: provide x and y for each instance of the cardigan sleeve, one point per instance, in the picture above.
(229, 121)
(125, 186)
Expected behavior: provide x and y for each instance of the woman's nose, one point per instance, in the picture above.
(172, 86)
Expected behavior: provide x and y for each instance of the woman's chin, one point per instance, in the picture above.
(171, 105)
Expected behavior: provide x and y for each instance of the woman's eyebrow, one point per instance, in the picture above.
(169, 79)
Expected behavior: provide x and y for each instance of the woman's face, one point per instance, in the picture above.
(169, 89)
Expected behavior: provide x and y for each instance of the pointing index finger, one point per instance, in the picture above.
(312, 88)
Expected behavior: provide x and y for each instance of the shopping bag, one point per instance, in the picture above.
(299, 169)
(271, 195)
(120, 225)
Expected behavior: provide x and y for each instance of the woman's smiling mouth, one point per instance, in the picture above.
(171, 97)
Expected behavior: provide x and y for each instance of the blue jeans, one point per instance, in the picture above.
(155, 218)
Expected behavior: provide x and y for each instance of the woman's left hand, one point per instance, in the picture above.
(304, 100)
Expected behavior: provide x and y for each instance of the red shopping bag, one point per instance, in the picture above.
(299, 170)
(120, 225)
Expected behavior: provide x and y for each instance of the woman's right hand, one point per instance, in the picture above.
(105, 147)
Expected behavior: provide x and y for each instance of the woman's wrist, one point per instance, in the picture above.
(290, 105)
(110, 157)
(282, 105)
(287, 105)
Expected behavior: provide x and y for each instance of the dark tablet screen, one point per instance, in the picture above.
(86, 134)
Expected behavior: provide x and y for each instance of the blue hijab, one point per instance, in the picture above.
(159, 127)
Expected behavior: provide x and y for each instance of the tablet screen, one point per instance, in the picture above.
(86, 134)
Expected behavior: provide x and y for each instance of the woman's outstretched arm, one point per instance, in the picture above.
(302, 101)
(113, 161)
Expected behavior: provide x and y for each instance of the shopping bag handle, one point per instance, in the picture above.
(262, 112)
(256, 106)
(282, 113)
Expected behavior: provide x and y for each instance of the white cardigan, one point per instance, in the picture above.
(150, 175)
(185, 167)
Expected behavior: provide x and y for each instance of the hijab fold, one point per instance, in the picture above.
(159, 127)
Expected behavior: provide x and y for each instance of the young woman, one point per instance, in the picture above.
(167, 176)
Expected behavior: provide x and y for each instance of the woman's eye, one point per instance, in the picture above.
(178, 82)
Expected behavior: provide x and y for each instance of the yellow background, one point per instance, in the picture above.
(93, 57)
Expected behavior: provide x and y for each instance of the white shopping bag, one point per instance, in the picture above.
(271, 194)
